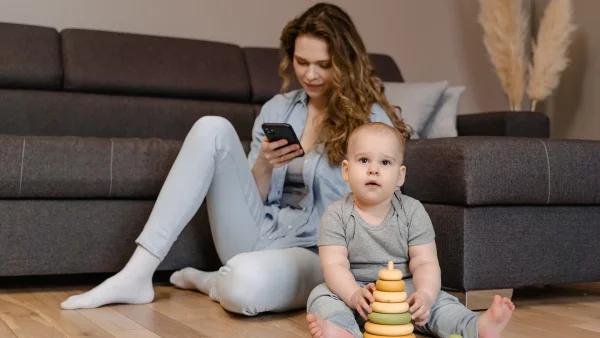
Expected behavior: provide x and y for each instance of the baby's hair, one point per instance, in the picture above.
(377, 127)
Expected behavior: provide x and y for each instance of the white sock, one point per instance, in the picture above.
(132, 285)
(190, 278)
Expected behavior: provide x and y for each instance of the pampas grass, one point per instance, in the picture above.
(550, 52)
(504, 24)
(505, 34)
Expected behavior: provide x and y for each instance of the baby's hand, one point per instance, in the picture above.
(420, 305)
(362, 299)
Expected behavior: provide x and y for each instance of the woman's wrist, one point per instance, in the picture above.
(262, 166)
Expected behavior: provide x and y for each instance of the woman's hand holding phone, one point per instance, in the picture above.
(278, 153)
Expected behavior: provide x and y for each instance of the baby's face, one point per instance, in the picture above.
(374, 166)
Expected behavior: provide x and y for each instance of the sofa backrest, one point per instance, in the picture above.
(30, 57)
(133, 64)
(92, 83)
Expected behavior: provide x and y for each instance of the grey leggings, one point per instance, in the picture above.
(447, 315)
(212, 164)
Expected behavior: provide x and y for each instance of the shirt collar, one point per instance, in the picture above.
(301, 97)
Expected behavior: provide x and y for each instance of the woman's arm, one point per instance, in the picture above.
(262, 172)
(336, 267)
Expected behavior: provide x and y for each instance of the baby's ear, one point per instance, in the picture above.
(345, 170)
(401, 176)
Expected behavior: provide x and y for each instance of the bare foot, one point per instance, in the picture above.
(493, 321)
(320, 328)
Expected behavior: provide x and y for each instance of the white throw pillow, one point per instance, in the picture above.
(417, 101)
(443, 120)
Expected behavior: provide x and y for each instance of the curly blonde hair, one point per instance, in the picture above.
(355, 86)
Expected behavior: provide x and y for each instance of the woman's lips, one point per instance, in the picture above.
(313, 86)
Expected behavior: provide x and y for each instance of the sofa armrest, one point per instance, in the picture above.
(502, 170)
(504, 123)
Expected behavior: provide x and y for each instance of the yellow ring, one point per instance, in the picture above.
(389, 330)
(390, 286)
(389, 297)
(385, 274)
(369, 335)
(389, 307)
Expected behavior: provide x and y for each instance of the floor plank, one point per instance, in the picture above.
(157, 322)
(570, 310)
(5, 331)
(69, 323)
(25, 321)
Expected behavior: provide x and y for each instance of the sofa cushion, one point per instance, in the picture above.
(417, 102)
(482, 170)
(29, 57)
(64, 237)
(76, 167)
(263, 68)
(501, 247)
(41, 113)
(110, 62)
(443, 120)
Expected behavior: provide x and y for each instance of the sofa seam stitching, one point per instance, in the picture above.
(111, 167)
(22, 162)
(548, 166)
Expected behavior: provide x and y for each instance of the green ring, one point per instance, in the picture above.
(389, 318)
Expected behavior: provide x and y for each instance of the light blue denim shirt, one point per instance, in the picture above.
(286, 227)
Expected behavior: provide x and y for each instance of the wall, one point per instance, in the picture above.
(431, 40)
(575, 105)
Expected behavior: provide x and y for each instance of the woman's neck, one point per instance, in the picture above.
(319, 105)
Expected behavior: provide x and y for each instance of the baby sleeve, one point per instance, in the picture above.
(420, 229)
(332, 230)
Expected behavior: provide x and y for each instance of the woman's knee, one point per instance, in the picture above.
(244, 286)
(216, 125)
(274, 280)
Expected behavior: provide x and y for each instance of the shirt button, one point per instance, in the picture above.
(289, 227)
(270, 237)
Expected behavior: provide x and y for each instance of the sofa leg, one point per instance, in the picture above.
(480, 300)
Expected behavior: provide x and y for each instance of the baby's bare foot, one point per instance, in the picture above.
(320, 328)
(493, 321)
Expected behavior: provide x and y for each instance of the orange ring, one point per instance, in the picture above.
(369, 335)
(390, 285)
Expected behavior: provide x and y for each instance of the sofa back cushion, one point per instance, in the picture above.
(263, 68)
(29, 57)
(134, 64)
(48, 113)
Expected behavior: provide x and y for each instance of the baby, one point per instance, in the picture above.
(375, 224)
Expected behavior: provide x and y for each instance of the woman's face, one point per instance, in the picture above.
(312, 65)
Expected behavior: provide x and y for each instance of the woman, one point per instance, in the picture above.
(264, 211)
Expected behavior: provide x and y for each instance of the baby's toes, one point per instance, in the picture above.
(509, 303)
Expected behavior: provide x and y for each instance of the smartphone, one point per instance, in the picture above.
(278, 131)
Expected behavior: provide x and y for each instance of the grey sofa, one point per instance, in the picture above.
(91, 121)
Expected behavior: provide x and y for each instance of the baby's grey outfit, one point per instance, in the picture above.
(370, 247)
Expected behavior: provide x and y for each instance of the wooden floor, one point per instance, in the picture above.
(559, 311)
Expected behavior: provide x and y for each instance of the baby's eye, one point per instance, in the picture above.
(386, 162)
(363, 160)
